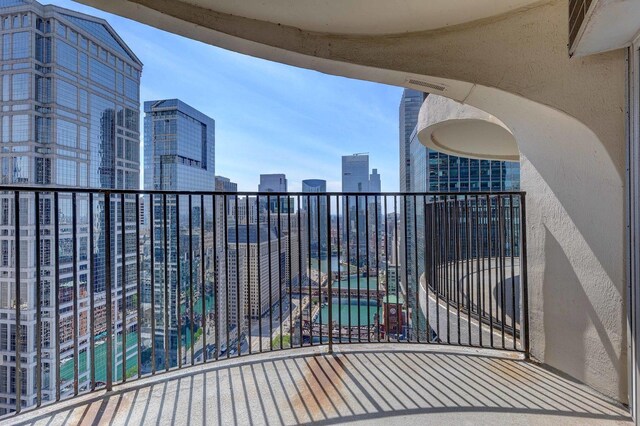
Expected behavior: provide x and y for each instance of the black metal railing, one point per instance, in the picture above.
(107, 286)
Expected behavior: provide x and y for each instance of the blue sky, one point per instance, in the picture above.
(270, 118)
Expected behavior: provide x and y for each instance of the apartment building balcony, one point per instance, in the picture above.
(342, 334)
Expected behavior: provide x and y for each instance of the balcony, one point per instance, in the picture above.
(328, 307)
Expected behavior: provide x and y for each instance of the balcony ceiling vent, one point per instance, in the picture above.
(426, 85)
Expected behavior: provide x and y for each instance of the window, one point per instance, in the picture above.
(20, 87)
(130, 89)
(66, 56)
(21, 45)
(102, 74)
(67, 94)
(66, 133)
(20, 128)
(66, 172)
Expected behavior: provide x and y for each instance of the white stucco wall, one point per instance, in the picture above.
(460, 129)
(567, 116)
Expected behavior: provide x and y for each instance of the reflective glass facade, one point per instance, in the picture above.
(180, 151)
(68, 119)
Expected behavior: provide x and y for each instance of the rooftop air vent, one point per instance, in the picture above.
(424, 84)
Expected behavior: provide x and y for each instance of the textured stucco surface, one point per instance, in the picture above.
(460, 129)
(567, 115)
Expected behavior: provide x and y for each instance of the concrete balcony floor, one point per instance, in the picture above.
(365, 383)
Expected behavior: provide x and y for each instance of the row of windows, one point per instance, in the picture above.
(16, 45)
(16, 21)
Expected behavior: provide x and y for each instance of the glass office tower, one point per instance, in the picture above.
(70, 118)
(179, 144)
(316, 208)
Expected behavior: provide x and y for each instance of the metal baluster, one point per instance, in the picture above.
(216, 277)
(280, 272)
(405, 260)
(415, 249)
(290, 264)
(239, 298)
(18, 301)
(259, 261)
(300, 269)
(74, 262)
(191, 286)
(338, 255)
(138, 290)
(330, 278)
(123, 278)
(166, 281)
(398, 312)
(513, 279)
(38, 336)
(386, 255)
(366, 234)
(203, 294)
(456, 257)
(480, 297)
(270, 272)
(108, 289)
(317, 221)
(377, 251)
(348, 235)
(358, 266)
(92, 327)
(226, 266)
(178, 309)
(247, 215)
(523, 274)
(467, 276)
(153, 284)
(489, 251)
(501, 258)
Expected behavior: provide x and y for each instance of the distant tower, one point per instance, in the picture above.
(409, 109)
(316, 208)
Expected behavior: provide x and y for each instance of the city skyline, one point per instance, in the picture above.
(323, 116)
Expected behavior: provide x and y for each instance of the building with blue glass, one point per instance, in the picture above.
(316, 209)
(70, 118)
(179, 147)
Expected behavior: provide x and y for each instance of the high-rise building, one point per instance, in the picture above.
(355, 179)
(355, 173)
(224, 184)
(409, 109)
(70, 117)
(273, 183)
(180, 152)
(316, 209)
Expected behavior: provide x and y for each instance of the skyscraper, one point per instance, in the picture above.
(273, 183)
(70, 115)
(356, 178)
(409, 108)
(316, 208)
(180, 151)
(224, 184)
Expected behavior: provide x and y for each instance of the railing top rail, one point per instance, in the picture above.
(40, 188)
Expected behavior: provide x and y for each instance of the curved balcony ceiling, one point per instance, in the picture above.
(363, 16)
(453, 128)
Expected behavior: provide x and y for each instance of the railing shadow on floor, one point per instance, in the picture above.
(353, 384)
